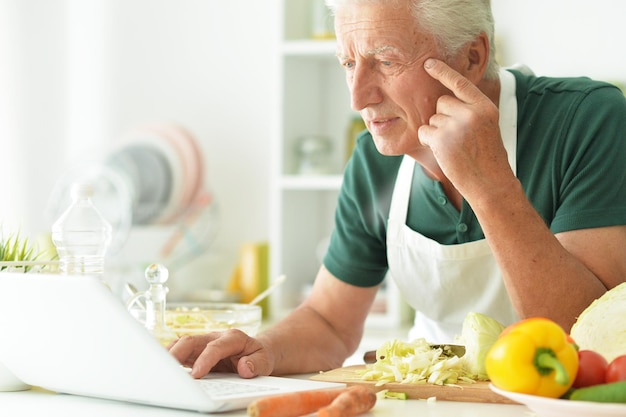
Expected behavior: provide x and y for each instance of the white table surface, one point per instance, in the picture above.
(39, 402)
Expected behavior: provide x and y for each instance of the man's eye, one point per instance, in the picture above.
(386, 63)
(348, 64)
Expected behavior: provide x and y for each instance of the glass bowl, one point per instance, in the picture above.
(198, 318)
(186, 319)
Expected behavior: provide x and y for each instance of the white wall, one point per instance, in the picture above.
(564, 37)
(32, 107)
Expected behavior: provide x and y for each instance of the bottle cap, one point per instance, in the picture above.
(81, 189)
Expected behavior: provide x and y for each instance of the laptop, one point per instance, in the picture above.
(71, 334)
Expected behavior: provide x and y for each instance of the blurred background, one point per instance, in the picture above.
(78, 77)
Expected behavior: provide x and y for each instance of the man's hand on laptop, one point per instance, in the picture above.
(227, 351)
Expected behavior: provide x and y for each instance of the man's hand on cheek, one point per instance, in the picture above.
(464, 133)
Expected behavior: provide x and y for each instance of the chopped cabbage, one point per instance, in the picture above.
(418, 362)
(601, 326)
(478, 335)
(393, 395)
(414, 362)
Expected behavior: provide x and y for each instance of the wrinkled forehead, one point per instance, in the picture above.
(376, 25)
(334, 4)
(373, 16)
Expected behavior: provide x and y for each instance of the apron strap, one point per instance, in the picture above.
(400, 200)
(508, 116)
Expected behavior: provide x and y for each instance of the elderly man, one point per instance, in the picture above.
(476, 188)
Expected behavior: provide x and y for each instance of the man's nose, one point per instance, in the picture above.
(364, 88)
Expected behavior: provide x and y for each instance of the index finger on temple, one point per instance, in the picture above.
(460, 86)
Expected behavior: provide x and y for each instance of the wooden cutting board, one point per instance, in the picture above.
(477, 392)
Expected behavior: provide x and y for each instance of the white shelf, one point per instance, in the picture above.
(311, 182)
(312, 99)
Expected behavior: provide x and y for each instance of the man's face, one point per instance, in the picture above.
(383, 53)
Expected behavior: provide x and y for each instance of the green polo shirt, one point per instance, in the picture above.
(571, 161)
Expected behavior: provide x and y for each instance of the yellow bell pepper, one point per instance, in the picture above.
(534, 356)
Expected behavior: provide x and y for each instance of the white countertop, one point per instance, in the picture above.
(35, 402)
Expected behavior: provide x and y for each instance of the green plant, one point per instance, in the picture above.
(14, 248)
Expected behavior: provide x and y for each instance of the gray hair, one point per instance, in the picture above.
(453, 23)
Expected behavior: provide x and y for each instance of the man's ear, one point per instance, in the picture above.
(477, 58)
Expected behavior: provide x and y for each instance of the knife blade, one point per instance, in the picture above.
(451, 350)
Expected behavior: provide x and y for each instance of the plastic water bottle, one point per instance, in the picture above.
(82, 235)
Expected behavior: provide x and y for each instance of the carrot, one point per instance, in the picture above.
(354, 401)
(293, 404)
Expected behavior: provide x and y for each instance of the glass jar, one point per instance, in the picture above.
(314, 155)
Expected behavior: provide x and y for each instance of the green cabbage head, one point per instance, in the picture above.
(479, 333)
(601, 327)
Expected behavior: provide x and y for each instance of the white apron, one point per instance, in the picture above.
(445, 282)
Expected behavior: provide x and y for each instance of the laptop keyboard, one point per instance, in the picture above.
(225, 389)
